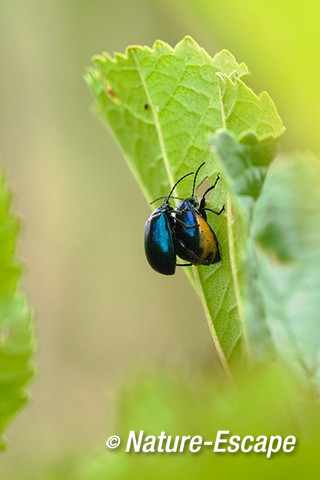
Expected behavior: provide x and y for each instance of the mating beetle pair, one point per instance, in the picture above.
(183, 231)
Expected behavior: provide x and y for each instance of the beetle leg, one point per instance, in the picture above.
(184, 264)
(203, 199)
(212, 186)
(213, 211)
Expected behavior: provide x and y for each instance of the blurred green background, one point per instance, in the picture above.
(101, 312)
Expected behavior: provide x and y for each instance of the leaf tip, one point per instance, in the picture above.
(188, 42)
(221, 76)
(161, 45)
(189, 39)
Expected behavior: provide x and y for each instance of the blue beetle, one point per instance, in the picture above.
(197, 243)
(159, 236)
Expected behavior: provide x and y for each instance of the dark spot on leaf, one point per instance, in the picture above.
(146, 106)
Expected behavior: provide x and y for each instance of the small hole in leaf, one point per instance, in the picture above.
(204, 185)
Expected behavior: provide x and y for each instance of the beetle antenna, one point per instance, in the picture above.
(174, 186)
(195, 178)
(165, 196)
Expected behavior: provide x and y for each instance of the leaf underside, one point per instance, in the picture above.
(161, 105)
(286, 229)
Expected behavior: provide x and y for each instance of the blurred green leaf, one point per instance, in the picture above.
(16, 343)
(244, 166)
(161, 104)
(278, 288)
(185, 406)
(287, 233)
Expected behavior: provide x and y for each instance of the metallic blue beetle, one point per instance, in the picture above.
(159, 236)
(195, 240)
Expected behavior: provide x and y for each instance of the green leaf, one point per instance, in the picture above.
(161, 105)
(244, 166)
(275, 250)
(187, 407)
(16, 344)
(286, 228)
